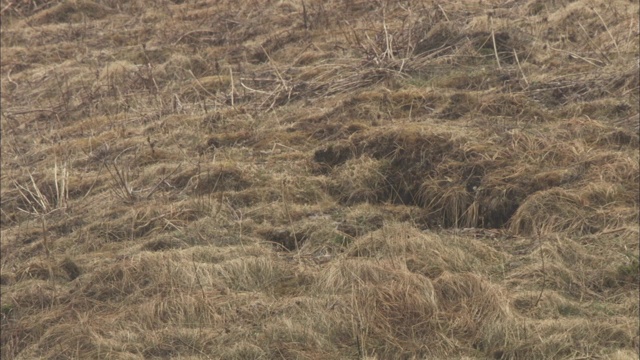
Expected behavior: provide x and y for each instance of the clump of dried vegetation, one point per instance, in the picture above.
(319, 179)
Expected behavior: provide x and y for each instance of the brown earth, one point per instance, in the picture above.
(320, 179)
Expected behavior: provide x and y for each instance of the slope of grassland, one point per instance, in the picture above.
(319, 179)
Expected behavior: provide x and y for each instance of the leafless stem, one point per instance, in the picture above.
(495, 48)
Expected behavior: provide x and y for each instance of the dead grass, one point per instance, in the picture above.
(319, 180)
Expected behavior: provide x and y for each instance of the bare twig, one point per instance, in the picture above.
(495, 48)
(578, 56)
(443, 12)
(607, 28)
(62, 188)
(31, 200)
(6, 8)
(162, 181)
(233, 89)
(305, 18)
(122, 189)
(94, 182)
(388, 52)
(45, 239)
(191, 33)
(593, 46)
(195, 272)
(275, 68)
(520, 67)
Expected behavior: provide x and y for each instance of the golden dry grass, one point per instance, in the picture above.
(319, 179)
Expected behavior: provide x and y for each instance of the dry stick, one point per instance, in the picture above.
(199, 83)
(62, 193)
(232, 87)
(304, 16)
(493, 38)
(593, 46)
(387, 38)
(191, 33)
(577, 56)
(94, 182)
(254, 90)
(6, 8)
(284, 84)
(607, 28)
(42, 200)
(23, 112)
(520, 67)
(443, 13)
(162, 181)
(631, 27)
(150, 68)
(495, 48)
(44, 236)
(613, 231)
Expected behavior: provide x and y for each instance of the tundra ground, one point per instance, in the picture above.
(310, 179)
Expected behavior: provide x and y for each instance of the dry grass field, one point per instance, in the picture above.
(340, 179)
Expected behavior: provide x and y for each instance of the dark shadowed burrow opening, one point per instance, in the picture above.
(455, 187)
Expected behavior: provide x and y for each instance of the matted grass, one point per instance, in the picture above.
(319, 179)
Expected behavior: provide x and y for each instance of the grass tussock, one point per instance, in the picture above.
(322, 180)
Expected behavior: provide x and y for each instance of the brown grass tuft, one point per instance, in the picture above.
(319, 179)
